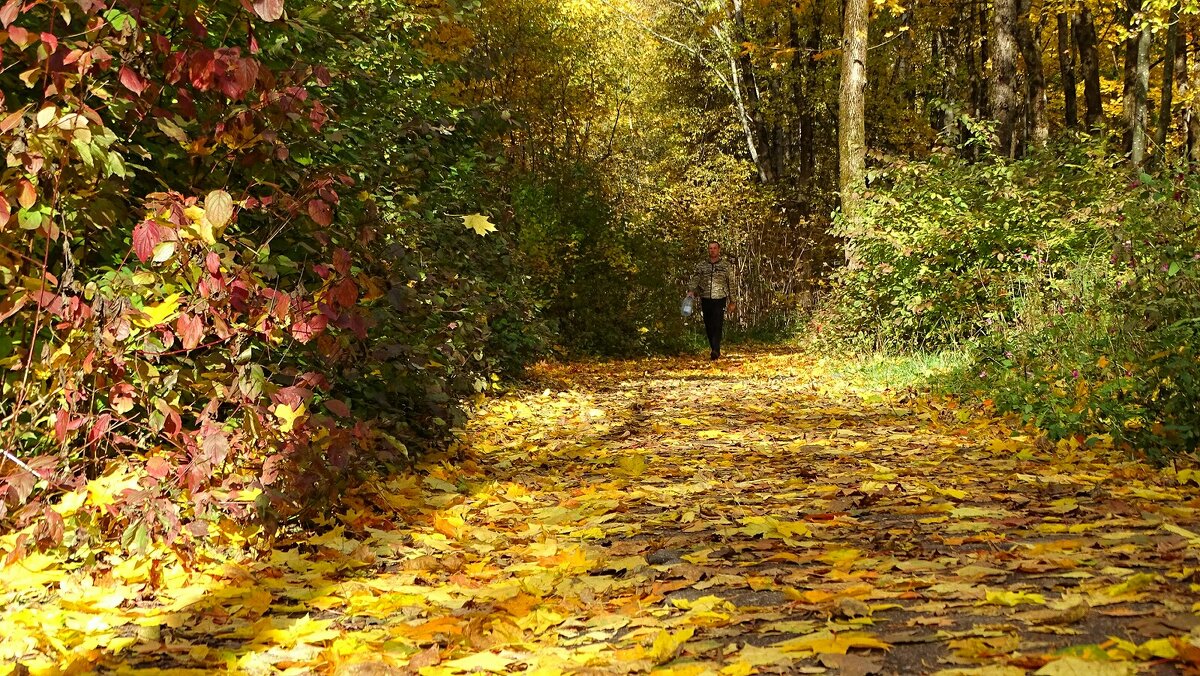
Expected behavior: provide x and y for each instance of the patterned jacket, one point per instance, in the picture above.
(713, 280)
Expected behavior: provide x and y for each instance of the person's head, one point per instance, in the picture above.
(714, 250)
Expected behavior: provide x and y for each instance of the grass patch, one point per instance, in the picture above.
(917, 370)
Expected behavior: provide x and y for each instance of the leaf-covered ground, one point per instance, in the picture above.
(761, 515)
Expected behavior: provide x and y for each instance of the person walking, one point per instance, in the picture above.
(714, 283)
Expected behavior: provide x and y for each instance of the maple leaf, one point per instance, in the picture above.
(158, 313)
(288, 416)
(540, 621)
(632, 465)
(667, 644)
(479, 223)
(1004, 597)
(289, 632)
(450, 525)
(1075, 666)
(989, 670)
(1135, 583)
(830, 642)
(478, 662)
(771, 527)
(1191, 537)
(106, 489)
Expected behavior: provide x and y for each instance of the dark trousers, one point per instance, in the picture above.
(714, 320)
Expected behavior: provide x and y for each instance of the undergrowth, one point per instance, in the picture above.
(1073, 286)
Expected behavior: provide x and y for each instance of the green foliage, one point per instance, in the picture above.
(1121, 355)
(610, 285)
(946, 248)
(251, 297)
(1074, 285)
(457, 314)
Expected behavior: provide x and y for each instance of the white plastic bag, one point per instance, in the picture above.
(687, 307)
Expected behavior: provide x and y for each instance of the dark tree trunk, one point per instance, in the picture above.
(1168, 87)
(1066, 67)
(901, 66)
(1190, 116)
(975, 80)
(1181, 52)
(1035, 78)
(943, 54)
(1004, 99)
(1089, 66)
(804, 67)
(951, 88)
(1127, 15)
(985, 53)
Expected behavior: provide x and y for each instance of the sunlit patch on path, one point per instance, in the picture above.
(760, 515)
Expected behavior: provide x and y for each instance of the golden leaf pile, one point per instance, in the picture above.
(764, 515)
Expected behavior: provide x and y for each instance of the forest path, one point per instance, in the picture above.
(762, 514)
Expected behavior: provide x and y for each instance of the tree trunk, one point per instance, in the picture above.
(811, 80)
(744, 116)
(1190, 114)
(1035, 78)
(852, 141)
(1066, 67)
(975, 80)
(1168, 87)
(1084, 29)
(1141, 85)
(1004, 71)
(1181, 51)
(985, 51)
(743, 74)
(1128, 17)
(950, 90)
(943, 54)
(804, 68)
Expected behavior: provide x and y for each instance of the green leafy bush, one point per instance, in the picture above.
(943, 248)
(1112, 346)
(1074, 283)
(212, 283)
(609, 284)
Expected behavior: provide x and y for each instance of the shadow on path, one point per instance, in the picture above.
(753, 515)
